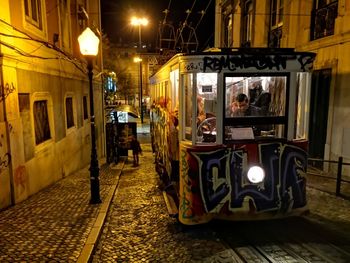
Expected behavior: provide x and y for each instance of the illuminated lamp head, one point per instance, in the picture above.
(256, 174)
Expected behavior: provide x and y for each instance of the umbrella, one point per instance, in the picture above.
(131, 110)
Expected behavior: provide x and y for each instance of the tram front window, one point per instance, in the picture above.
(255, 106)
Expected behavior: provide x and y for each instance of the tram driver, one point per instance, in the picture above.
(243, 108)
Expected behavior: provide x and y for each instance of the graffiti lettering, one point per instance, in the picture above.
(5, 161)
(6, 90)
(192, 66)
(259, 62)
(185, 203)
(222, 178)
(262, 195)
(214, 186)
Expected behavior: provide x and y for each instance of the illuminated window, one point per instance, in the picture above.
(257, 104)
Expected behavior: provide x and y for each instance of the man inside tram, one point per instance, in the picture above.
(243, 108)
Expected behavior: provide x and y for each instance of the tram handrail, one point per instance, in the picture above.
(339, 178)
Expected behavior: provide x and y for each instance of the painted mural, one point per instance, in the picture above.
(213, 182)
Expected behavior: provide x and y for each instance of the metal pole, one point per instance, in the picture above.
(94, 169)
(141, 91)
(340, 167)
(140, 49)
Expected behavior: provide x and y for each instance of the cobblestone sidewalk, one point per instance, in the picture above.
(57, 224)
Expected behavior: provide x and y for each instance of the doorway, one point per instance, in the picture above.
(319, 104)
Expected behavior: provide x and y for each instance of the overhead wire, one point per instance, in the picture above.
(166, 11)
(66, 56)
(203, 12)
(183, 25)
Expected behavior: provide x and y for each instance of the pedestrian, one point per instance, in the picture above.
(136, 149)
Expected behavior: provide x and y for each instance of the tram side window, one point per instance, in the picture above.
(188, 94)
(255, 106)
(206, 107)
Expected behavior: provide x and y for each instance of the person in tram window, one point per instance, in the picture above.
(200, 110)
(243, 108)
(260, 98)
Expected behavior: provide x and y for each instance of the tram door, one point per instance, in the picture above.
(320, 89)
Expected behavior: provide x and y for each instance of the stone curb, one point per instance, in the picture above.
(90, 244)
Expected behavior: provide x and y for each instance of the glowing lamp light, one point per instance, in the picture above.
(137, 59)
(135, 21)
(88, 43)
(256, 174)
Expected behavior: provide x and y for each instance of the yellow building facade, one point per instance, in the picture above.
(44, 102)
(319, 26)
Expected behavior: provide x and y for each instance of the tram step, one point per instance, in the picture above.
(170, 204)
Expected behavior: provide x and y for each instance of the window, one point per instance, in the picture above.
(276, 13)
(247, 29)
(206, 107)
(228, 31)
(32, 10)
(65, 24)
(41, 121)
(255, 106)
(276, 22)
(69, 112)
(323, 18)
(188, 94)
(83, 15)
(85, 109)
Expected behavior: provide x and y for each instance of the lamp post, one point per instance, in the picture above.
(88, 43)
(139, 22)
(139, 60)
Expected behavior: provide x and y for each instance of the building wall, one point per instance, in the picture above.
(35, 66)
(332, 52)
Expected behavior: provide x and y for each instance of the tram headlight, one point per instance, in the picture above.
(256, 174)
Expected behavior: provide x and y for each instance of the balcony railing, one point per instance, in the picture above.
(323, 21)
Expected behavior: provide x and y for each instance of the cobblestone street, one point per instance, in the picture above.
(131, 225)
(54, 224)
(138, 228)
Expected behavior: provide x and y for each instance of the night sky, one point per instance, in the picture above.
(116, 16)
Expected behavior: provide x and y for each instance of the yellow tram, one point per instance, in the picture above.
(229, 132)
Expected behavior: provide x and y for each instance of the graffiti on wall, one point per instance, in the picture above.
(259, 62)
(222, 182)
(6, 90)
(20, 178)
(5, 161)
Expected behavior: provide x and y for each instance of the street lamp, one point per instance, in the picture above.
(139, 60)
(139, 22)
(88, 43)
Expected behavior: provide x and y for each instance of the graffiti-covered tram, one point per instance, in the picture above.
(229, 132)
